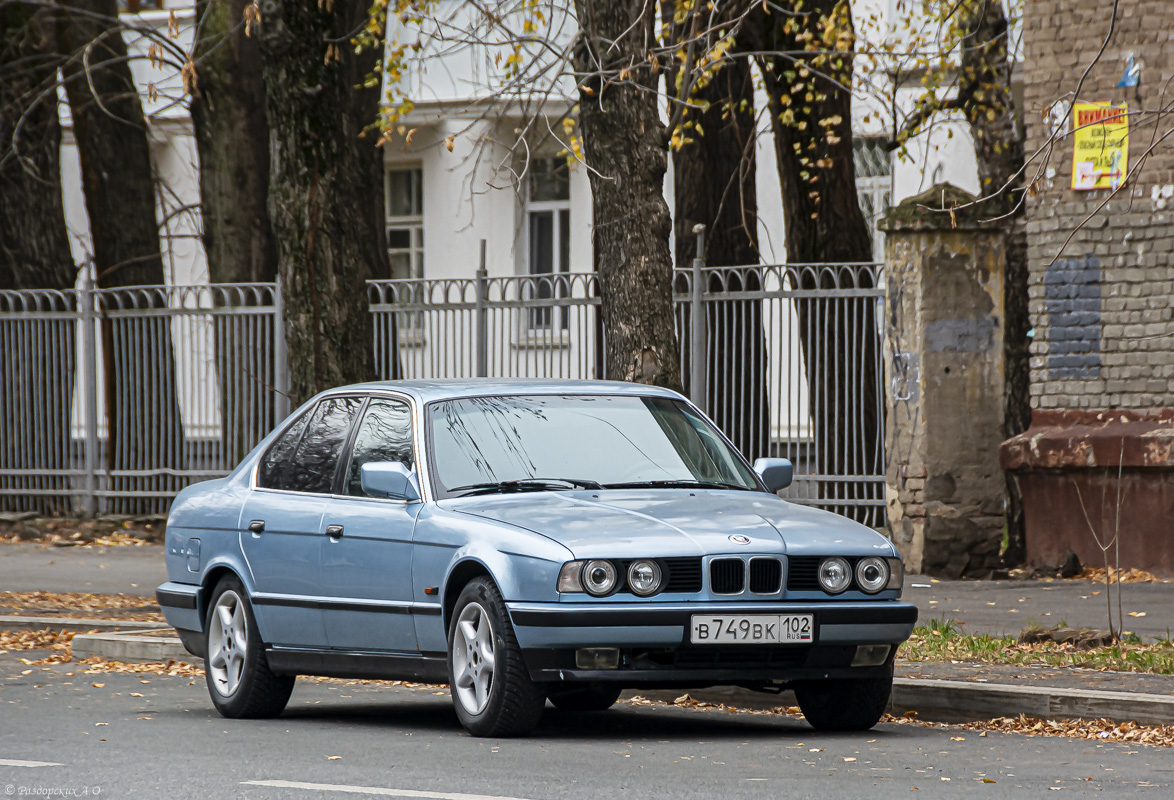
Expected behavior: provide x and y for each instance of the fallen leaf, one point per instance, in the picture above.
(100, 724)
(99, 685)
(333, 758)
(1136, 614)
(989, 780)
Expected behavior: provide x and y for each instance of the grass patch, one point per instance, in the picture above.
(942, 640)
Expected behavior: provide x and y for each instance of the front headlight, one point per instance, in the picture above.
(834, 574)
(599, 577)
(872, 574)
(644, 577)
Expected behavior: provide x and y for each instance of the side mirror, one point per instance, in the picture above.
(389, 479)
(776, 473)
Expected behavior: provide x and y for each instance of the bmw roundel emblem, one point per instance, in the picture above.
(738, 538)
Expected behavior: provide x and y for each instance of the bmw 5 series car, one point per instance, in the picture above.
(525, 542)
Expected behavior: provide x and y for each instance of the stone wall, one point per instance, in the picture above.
(1103, 303)
(944, 406)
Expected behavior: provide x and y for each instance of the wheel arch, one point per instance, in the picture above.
(208, 584)
(458, 578)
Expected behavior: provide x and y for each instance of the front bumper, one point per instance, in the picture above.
(655, 649)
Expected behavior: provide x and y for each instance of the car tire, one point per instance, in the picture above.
(236, 670)
(583, 697)
(490, 685)
(855, 704)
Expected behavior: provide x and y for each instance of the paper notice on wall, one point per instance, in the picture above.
(1100, 145)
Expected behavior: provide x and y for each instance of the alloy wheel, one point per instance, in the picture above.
(473, 659)
(228, 638)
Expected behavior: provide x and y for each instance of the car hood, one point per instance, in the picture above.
(628, 523)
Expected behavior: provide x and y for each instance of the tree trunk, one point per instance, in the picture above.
(812, 126)
(36, 356)
(232, 137)
(997, 130)
(145, 430)
(715, 187)
(624, 140)
(325, 199)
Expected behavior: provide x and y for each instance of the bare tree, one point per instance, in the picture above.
(145, 431)
(625, 139)
(714, 167)
(34, 254)
(805, 52)
(325, 199)
(232, 136)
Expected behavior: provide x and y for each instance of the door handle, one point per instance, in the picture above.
(334, 531)
(257, 526)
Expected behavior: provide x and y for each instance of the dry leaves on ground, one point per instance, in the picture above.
(97, 666)
(85, 604)
(1100, 730)
(1097, 574)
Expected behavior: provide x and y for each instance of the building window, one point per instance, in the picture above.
(548, 222)
(874, 185)
(404, 204)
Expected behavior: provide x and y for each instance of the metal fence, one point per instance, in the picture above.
(115, 399)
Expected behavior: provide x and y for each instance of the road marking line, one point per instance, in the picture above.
(16, 762)
(377, 790)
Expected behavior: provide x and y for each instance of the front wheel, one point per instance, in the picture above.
(235, 668)
(583, 697)
(491, 688)
(854, 704)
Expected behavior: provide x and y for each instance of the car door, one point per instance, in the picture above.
(281, 522)
(367, 557)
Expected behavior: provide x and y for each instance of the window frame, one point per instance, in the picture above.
(413, 223)
(254, 481)
(559, 323)
(417, 449)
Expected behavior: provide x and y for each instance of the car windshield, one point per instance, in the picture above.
(552, 442)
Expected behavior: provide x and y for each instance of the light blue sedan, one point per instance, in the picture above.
(525, 541)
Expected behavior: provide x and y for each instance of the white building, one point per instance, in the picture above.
(440, 204)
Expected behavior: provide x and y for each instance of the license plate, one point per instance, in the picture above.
(751, 629)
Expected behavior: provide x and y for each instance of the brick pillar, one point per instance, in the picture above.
(943, 347)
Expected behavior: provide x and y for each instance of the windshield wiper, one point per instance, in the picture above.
(526, 485)
(677, 484)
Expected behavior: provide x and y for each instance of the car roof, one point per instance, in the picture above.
(448, 389)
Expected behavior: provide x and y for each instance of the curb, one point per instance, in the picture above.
(21, 623)
(131, 646)
(964, 701)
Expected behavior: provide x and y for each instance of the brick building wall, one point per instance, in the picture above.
(1103, 310)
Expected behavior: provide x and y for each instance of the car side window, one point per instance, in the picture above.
(385, 434)
(310, 466)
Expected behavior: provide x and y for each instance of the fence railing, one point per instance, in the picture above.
(114, 399)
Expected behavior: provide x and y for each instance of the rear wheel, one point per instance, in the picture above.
(582, 697)
(491, 687)
(235, 668)
(846, 705)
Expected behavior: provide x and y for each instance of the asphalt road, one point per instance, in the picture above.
(984, 606)
(403, 742)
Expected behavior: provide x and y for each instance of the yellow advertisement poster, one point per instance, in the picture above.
(1100, 145)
